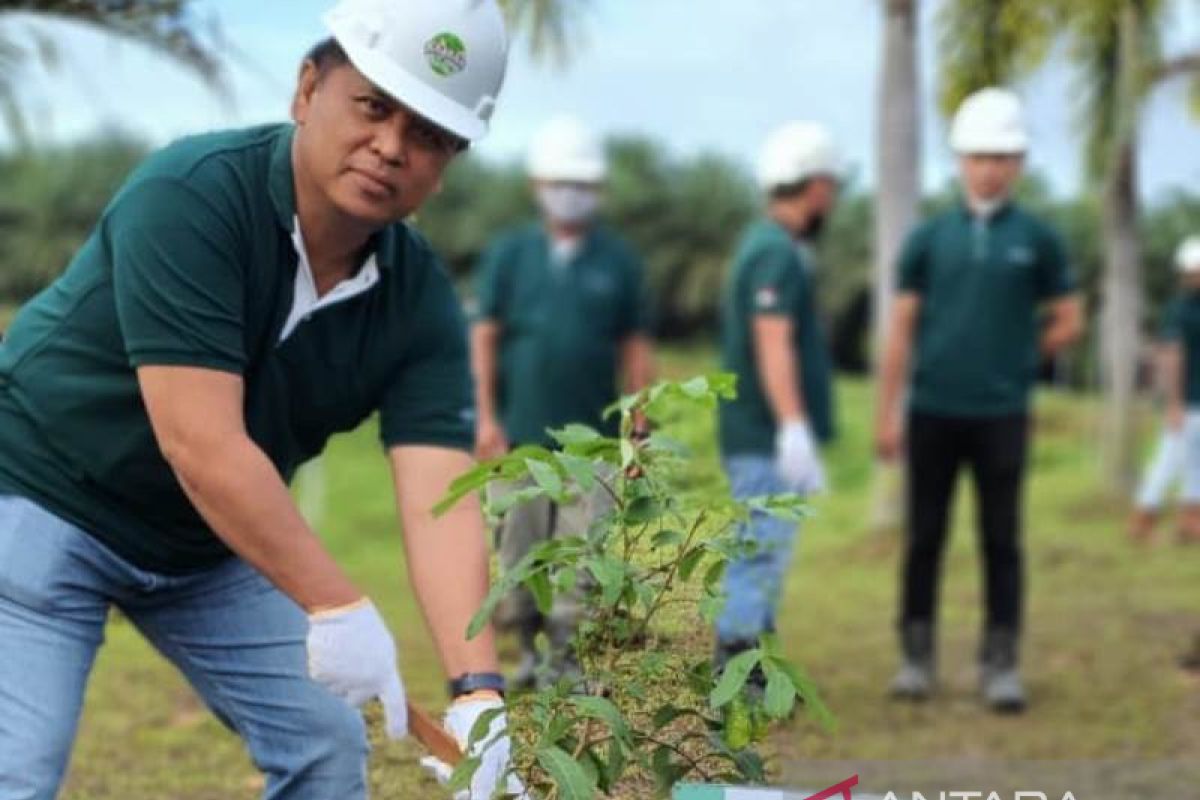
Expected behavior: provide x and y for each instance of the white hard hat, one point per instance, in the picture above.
(444, 59)
(990, 121)
(1187, 258)
(796, 152)
(564, 149)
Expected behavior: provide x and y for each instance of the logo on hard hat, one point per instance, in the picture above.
(446, 54)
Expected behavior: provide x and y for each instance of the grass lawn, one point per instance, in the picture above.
(1106, 622)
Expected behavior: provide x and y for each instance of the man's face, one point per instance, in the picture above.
(990, 177)
(367, 155)
(822, 195)
(567, 202)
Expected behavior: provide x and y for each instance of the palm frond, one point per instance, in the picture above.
(992, 42)
(554, 28)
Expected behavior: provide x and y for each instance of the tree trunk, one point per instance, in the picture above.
(1122, 317)
(898, 143)
(1122, 280)
(898, 157)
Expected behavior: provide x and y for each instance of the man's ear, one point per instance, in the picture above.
(306, 86)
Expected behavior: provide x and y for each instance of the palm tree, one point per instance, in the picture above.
(1114, 47)
(165, 26)
(898, 158)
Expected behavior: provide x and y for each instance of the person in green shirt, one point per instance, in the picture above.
(1179, 365)
(244, 296)
(561, 312)
(772, 340)
(966, 334)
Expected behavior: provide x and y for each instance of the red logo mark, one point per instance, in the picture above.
(841, 790)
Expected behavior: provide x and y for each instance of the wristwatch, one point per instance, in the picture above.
(476, 681)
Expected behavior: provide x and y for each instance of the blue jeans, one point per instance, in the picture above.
(237, 639)
(753, 584)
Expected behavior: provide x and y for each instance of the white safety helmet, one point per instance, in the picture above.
(990, 122)
(796, 152)
(444, 59)
(1187, 258)
(564, 149)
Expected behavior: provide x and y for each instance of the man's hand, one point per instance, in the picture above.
(797, 459)
(351, 653)
(490, 441)
(1176, 417)
(889, 437)
(493, 750)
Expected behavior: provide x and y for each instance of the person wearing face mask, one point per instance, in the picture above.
(1178, 452)
(985, 292)
(772, 340)
(561, 313)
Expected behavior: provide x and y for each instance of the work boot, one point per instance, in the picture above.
(999, 677)
(1141, 525)
(917, 676)
(1191, 659)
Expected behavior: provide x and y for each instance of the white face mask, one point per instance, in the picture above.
(568, 204)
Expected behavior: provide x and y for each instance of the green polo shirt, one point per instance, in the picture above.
(982, 284)
(1181, 324)
(562, 325)
(770, 276)
(193, 264)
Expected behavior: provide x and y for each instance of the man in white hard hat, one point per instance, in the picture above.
(1178, 453)
(246, 295)
(772, 340)
(985, 292)
(562, 313)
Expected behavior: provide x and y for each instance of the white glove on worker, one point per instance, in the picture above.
(797, 459)
(352, 654)
(459, 720)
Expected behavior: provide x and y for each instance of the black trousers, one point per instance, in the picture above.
(995, 450)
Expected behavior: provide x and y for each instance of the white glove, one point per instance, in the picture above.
(351, 653)
(797, 460)
(459, 720)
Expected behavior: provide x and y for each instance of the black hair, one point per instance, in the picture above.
(789, 190)
(326, 55)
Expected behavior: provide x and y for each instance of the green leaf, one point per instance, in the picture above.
(483, 726)
(610, 575)
(807, 691)
(463, 772)
(642, 510)
(571, 780)
(614, 767)
(538, 584)
(501, 505)
(714, 574)
(602, 709)
(781, 693)
(733, 678)
(581, 470)
(574, 434)
(666, 539)
(689, 562)
(463, 485)
(628, 453)
(545, 476)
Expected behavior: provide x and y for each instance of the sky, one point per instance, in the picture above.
(700, 75)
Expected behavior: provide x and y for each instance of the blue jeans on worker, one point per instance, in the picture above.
(237, 639)
(753, 584)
